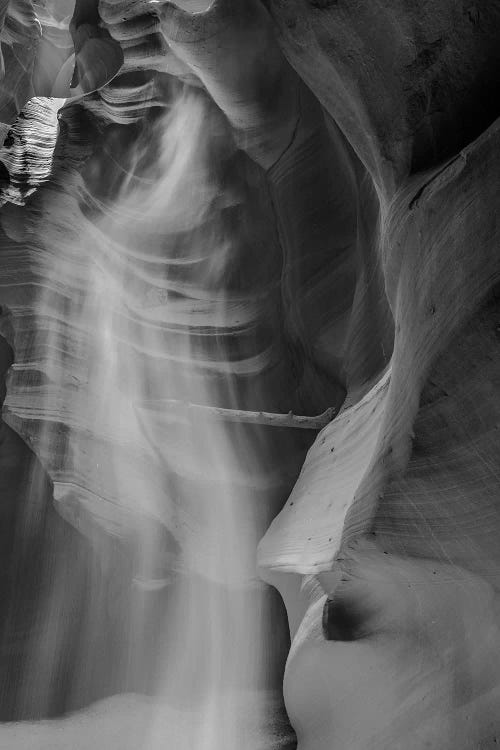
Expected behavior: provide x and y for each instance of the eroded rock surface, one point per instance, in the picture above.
(341, 193)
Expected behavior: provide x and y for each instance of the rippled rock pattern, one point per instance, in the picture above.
(339, 202)
(28, 150)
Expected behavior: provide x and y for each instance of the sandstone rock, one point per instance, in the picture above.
(357, 260)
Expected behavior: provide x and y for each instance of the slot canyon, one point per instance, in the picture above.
(250, 375)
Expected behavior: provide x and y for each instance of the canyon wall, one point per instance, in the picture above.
(340, 195)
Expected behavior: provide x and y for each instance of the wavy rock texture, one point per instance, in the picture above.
(343, 205)
(20, 33)
(28, 149)
(100, 244)
(189, 289)
(382, 425)
(34, 44)
(397, 498)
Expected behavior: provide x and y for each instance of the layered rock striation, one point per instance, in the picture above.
(330, 242)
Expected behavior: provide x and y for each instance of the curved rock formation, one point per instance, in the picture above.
(327, 241)
(20, 34)
(409, 84)
(155, 272)
(397, 492)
